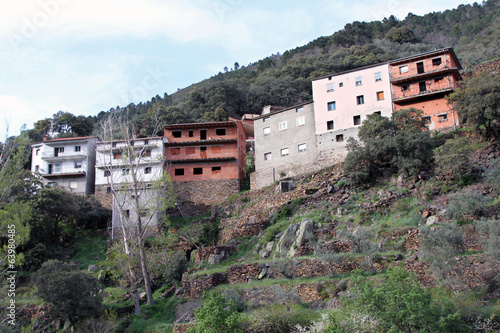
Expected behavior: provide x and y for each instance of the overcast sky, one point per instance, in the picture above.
(87, 56)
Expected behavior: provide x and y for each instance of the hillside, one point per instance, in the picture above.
(285, 79)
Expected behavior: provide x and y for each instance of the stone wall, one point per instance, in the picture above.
(194, 287)
(105, 198)
(204, 253)
(207, 191)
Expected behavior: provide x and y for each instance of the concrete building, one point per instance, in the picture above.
(284, 143)
(67, 162)
(115, 171)
(206, 160)
(342, 101)
(422, 81)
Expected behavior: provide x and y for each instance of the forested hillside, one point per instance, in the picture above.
(285, 79)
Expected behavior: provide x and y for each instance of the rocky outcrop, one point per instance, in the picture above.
(295, 236)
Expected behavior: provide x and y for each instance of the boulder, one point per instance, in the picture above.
(431, 220)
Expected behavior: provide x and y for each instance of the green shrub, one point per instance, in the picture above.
(466, 205)
(217, 315)
(453, 156)
(438, 246)
(490, 237)
(400, 304)
(279, 318)
(34, 257)
(210, 233)
(492, 174)
(176, 266)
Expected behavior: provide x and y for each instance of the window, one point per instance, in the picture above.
(37, 151)
(176, 134)
(191, 133)
(57, 167)
(359, 81)
(341, 84)
(126, 213)
(436, 61)
(73, 184)
(329, 87)
(175, 151)
(107, 173)
(422, 86)
(78, 165)
(339, 138)
(108, 190)
(378, 112)
(284, 152)
(125, 172)
(357, 120)
(283, 126)
(216, 169)
(427, 119)
(438, 79)
(78, 148)
(266, 119)
(403, 69)
(117, 156)
(203, 134)
(37, 168)
(332, 106)
(420, 67)
(378, 76)
(220, 131)
(405, 87)
(302, 147)
(147, 170)
(146, 142)
(442, 118)
(179, 172)
(197, 171)
(380, 95)
(360, 99)
(300, 109)
(266, 130)
(267, 156)
(113, 144)
(61, 149)
(301, 121)
(147, 153)
(329, 125)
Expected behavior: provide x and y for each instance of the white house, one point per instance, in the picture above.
(68, 162)
(122, 164)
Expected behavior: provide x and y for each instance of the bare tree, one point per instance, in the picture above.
(141, 189)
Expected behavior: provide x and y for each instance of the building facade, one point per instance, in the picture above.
(422, 82)
(67, 162)
(128, 168)
(284, 143)
(205, 160)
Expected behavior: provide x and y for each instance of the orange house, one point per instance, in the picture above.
(422, 82)
(205, 160)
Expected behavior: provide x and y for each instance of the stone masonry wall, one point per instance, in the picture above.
(207, 191)
(106, 199)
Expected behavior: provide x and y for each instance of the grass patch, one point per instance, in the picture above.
(156, 318)
(90, 250)
(116, 297)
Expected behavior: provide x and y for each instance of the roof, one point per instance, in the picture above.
(283, 110)
(426, 55)
(194, 125)
(66, 139)
(136, 139)
(351, 70)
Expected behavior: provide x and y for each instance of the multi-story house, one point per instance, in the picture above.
(205, 160)
(126, 169)
(285, 143)
(67, 162)
(342, 101)
(422, 81)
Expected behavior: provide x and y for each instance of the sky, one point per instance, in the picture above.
(88, 56)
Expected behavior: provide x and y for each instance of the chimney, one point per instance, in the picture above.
(45, 137)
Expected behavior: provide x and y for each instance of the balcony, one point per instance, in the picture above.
(428, 93)
(412, 75)
(51, 157)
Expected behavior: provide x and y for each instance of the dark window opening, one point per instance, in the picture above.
(126, 213)
(191, 133)
(436, 62)
(420, 67)
(176, 134)
(108, 190)
(340, 138)
(360, 99)
(197, 171)
(378, 112)
(422, 86)
(329, 125)
(427, 120)
(357, 120)
(220, 131)
(405, 87)
(107, 173)
(216, 169)
(147, 170)
(438, 79)
(203, 134)
(179, 172)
